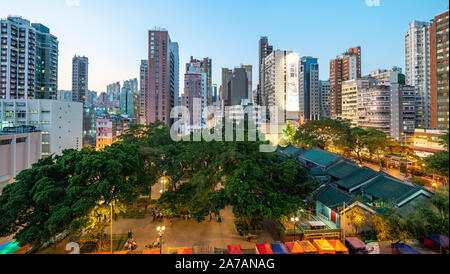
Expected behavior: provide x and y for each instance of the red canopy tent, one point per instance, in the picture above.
(263, 249)
(234, 249)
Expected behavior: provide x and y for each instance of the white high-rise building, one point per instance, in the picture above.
(281, 83)
(60, 123)
(17, 58)
(417, 69)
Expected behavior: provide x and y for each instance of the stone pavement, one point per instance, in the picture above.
(187, 233)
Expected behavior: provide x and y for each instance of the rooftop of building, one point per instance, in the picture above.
(320, 157)
(18, 130)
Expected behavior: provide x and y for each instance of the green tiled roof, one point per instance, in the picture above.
(316, 171)
(356, 178)
(342, 169)
(292, 150)
(320, 157)
(332, 197)
(388, 189)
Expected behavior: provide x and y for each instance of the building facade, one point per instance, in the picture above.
(350, 91)
(60, 123)
(17, 59)
(324, 87)
(163, 70)
(309, 89)
(143, 90)
(46, 66)
(439, 68)
(80, 79)
(281, 84)
(129, 99)
(264, 50)
(20, 147)
(417, 69)
(345, 67)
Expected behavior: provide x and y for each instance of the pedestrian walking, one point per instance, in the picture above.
(170, 220)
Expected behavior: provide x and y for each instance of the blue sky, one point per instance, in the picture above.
(113, 33)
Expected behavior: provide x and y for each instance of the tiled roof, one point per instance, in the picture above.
(342, 169)
(316, 171)
(390, 190)
(356, 178)
(333, 197)
(319, 157)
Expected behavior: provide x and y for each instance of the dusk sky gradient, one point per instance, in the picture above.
(113, 34)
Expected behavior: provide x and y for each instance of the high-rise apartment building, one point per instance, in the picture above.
(389, 107)
(17, 59)
(248, 70)
(350, 90)
(129, 98)
(143, 91)
(80, 79)
(324, 88)
(417, 69)
(309, 91)
(163, 78)
(281, 83)
(235, 85)
(439, 69)
(204, 65)
(345, 67)
(264, 50)
(46, 63)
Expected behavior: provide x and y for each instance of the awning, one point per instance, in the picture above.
(263, 249)
(152, 251)
(307, 247)
(324, 247)
(9, 248)
(338, 246)
(23, 249)
(179, 250)
(234, 249)
(295, 247)
(279, 248)
(356, 243)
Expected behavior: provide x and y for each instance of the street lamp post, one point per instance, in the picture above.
(294, 220)
(160, 230)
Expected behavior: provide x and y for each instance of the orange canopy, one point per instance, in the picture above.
(295, 247)
(115, 252)
(234, 249)
(324, 247)
(307, 247)
(23, 249)
(184, 250)
(152, 251)
(338, 246)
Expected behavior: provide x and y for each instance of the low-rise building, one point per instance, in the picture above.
(20, 147)
(426, 142)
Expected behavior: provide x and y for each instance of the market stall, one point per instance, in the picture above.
(338, 246)
(179, 250)
(279, 248)
(355, 245)
(263, 249)
(400, 248)
(323, 247)
(294, 247)
(152, 251)
(436, 241)
(234, 249)
(307, 247)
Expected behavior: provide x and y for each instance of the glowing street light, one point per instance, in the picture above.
(160, 230)
(294, 220)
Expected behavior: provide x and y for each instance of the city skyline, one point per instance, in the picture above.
(229, 43)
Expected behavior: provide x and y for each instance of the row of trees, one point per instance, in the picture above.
(348, 140)
(75, 190)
